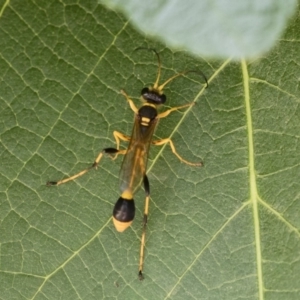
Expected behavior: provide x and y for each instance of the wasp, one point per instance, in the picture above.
(134, 166)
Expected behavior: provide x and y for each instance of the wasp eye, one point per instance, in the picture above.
(144, 91)
(163, 98)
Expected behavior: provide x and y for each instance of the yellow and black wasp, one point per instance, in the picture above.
(134, 166)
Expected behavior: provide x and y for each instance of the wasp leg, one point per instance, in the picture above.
(167, 112)
(120, 136)
(166, 141)
(143, 239)
(131, 104)
(109, 151)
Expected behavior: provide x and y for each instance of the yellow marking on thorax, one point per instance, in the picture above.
(150, 104)
(145, 121)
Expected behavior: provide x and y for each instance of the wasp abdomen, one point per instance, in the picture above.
(123, 213)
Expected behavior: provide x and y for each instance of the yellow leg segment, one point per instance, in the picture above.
(130, 102)
(118, 136)
(166, 141)
(94, 165)
(143, 239)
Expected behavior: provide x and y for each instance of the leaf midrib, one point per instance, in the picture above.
(252, 179)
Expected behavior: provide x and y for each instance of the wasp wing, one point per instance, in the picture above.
(135, 161)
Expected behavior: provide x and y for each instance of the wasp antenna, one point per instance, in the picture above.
(161, 87)
(201, 73)
(155, 86)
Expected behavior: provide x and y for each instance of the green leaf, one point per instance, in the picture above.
(228, 28)
(228, 230)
